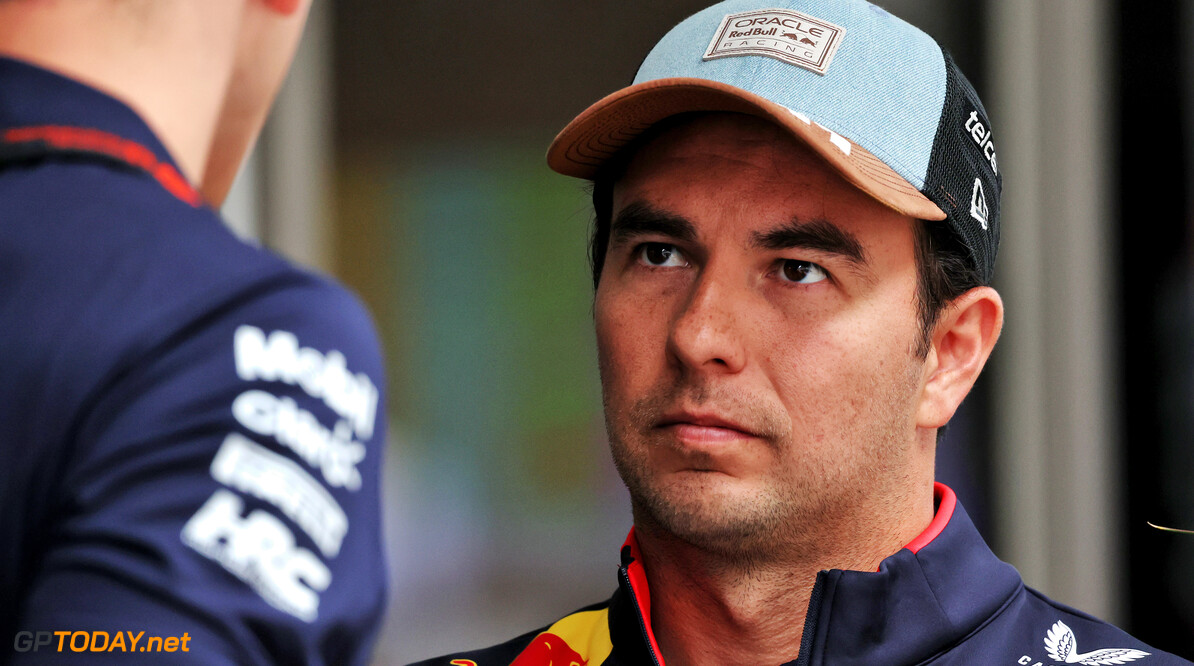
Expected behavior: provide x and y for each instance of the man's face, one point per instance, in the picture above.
(756, 325)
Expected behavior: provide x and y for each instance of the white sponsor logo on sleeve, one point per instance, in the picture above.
(255, 470)
(333, 451)
(261, 551)
(280, 358)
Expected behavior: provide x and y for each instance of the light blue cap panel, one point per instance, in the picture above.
(884, 88)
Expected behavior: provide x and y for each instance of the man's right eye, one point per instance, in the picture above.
(661, 255)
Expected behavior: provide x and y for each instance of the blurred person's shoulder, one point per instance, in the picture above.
(108, 250)
(126, 297)
(169, 391)
(109, 265)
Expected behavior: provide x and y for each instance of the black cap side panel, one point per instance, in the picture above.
(963, 178)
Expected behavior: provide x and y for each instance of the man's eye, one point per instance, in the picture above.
(801, 272)
(661, 255)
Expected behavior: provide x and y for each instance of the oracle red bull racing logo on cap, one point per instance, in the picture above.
(786, 35)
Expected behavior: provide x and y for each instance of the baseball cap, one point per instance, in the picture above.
(881, 101)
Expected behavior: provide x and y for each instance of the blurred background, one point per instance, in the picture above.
(406, 158)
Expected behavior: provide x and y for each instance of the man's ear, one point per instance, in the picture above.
(286, 7)
(962, 340)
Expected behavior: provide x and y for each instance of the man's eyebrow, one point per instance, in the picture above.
(820, 235)
(640, 218)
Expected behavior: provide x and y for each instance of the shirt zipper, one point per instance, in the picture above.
(804, 658)
(624, 573)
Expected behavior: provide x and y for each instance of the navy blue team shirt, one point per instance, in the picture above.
(191, 428)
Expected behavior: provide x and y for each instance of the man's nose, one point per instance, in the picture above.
(707, 334)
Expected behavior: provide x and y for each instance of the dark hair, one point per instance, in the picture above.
(943, 265)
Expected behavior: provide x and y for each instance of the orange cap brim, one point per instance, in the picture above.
(604, 128)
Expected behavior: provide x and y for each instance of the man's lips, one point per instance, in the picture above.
(704, 427)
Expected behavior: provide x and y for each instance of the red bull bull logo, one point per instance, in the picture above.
(549, 650)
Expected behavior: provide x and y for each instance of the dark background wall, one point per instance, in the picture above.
(1158, 315)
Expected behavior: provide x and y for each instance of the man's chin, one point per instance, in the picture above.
(732, 524)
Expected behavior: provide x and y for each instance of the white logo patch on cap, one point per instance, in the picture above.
(978, 204)
(793, 37)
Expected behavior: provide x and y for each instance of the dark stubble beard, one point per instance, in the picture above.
(697, 512)
(785, 512)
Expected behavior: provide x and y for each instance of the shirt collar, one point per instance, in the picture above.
(33, 96)
(923, 599)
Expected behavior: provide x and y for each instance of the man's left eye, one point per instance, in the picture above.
(661, 255)
(801, 272)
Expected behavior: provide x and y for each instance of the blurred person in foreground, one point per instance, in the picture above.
(190, 431)
(797, 215)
